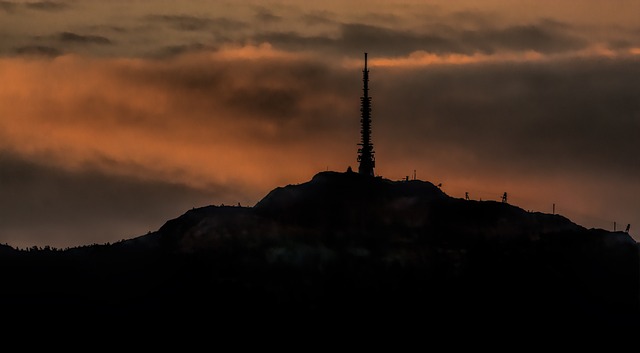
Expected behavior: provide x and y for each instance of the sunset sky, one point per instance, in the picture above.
(116, 116)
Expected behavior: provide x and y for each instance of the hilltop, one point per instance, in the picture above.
(382, 251)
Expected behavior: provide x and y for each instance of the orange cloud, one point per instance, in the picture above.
(191, 119)
(422, 58)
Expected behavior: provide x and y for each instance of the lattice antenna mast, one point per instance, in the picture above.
(365, 152)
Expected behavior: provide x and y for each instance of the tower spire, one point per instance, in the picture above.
(365, 152)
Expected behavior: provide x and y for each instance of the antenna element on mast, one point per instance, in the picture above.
(365, 152)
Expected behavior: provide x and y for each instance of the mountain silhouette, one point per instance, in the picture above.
(345, 245)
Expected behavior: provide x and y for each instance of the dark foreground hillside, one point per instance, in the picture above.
(348, 249)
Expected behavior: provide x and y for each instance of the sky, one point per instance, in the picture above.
(116, 116)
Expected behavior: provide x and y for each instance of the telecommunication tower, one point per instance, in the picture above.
(365, 152)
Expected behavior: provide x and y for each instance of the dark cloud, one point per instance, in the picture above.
(576, 117)
(109, 28)
(38, 50)
(266, 15)
(266, 102)
(12, 6)
(272, 89)
(354, 38)
(69, 37)
(48, 206)
(523, 38)
(296, 41)
(193, 23)
(472, 18)
(624, 38)
(553, 24)
(175, 50)
(379, 17)
(8, 6)
(319, 18)
(47, 5)
(357, 38)
(391, 42)
(619, 44)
